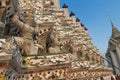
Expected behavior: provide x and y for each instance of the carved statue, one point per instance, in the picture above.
(14, 26)
(52, 43)
(26, 34)
(41, 40)
(9, 7)
(70, 47)
(10, 47)
(66, 47)
(73, 51)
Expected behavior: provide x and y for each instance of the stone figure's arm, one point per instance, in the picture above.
(2, 24)
(16, 20)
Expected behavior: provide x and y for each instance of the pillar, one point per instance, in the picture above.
(56, 3)
(65, 8)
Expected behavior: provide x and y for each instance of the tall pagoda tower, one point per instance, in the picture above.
(67, 53)
(113, 52)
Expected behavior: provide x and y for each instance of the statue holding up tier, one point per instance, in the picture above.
(70, 47)
(14, 25)
(26, 36)
(52, 42)
(22, 31)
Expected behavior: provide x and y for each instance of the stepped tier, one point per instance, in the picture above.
(48, 44)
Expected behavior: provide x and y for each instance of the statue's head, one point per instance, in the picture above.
(3, 4)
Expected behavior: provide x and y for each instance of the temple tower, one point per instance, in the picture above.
(113, 52)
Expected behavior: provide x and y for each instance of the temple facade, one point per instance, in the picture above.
(113, 52)
(48, 44)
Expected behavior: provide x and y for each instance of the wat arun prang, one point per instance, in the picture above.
(41, 41)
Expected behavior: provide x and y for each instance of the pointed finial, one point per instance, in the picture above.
(65, 6)
(115, 31)
(85, 28)
(77, 20)
(112, 24)
(72, 14)
(82, 24)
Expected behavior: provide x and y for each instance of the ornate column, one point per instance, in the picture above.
(98, 59)
(65, 8)
(101, 61)
(90, 57)
(72, 15)
(56, 3)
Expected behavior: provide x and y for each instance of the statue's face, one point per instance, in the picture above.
(3, 4)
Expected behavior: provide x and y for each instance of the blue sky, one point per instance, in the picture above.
(95, 15)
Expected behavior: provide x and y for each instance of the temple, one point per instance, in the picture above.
(113, 51)
(41, 41)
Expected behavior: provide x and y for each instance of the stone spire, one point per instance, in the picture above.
(77, 20)
(72, 15)
(65, 8)
(115, 31)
